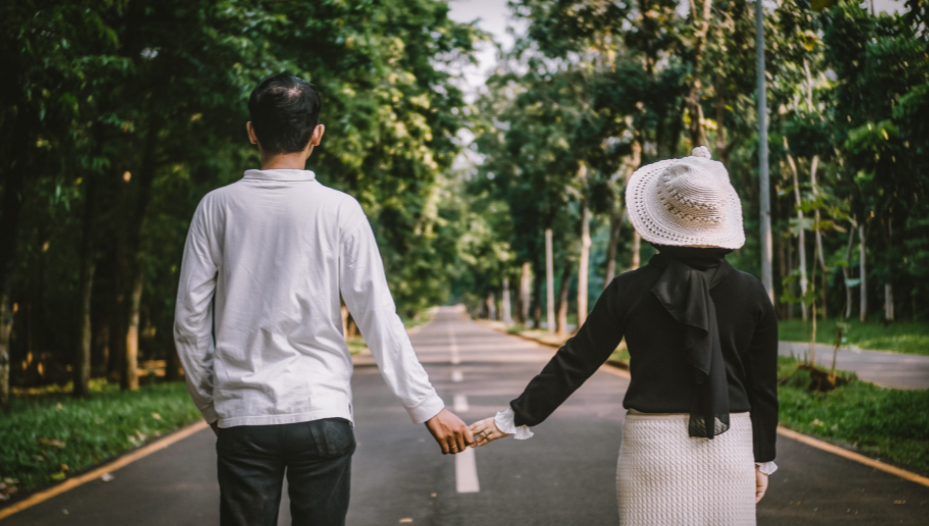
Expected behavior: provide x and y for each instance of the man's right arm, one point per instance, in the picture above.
(193, 315)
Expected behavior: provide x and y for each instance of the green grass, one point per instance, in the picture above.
(356, 345)
(887, 424)
(48, 436)
(909, 337)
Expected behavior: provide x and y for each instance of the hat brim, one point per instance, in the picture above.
(651, 221)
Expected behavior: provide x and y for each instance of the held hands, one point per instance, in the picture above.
(485, 431)
(761, 484)
(450, 432)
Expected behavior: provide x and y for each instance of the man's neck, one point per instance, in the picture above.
(285, 161)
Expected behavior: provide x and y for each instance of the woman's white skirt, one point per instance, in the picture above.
(666, 477)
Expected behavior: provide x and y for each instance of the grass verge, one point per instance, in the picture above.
(48, 436)
(887, 424)
(903, 337)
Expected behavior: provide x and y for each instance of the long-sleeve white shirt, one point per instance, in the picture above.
(258, 323)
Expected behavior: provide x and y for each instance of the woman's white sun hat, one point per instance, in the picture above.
(686, 202)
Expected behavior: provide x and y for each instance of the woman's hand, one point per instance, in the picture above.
(761, 484)
(485, 431)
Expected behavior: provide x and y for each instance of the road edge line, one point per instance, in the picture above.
(96, 473)
(616, 370)
(851, 455)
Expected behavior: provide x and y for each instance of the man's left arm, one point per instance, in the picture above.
(193, 315)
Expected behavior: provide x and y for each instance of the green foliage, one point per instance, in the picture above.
(49, 436)
(888, 424)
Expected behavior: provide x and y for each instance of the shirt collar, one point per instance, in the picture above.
(281, 175)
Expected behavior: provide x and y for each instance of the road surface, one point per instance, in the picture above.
(563, 476)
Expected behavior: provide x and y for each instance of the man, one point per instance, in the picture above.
(258, 324)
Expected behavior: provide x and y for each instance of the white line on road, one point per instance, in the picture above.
(457, 376)
(461, 403)
(453, 346)
(466, 472)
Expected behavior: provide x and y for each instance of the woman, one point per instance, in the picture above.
(699, 433)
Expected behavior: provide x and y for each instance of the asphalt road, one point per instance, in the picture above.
(563, 476)
(887, 369)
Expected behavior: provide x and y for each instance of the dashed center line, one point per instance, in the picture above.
(461, 403)
(466, 472)
(453, 346)
(457, 375)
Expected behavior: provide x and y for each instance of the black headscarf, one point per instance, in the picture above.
(684, 290)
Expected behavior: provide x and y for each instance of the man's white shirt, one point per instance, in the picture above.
(258, 323)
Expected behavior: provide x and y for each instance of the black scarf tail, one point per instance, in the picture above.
(684, 290)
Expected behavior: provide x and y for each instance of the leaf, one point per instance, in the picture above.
(52, 442)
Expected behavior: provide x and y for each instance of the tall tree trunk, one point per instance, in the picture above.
(618, 213)
(636, 251)
(888, 301)
(136, 254)
(6, 327)
(801, 234)
(764, 184)
(88, 267)
(549, 282)
(525, 292)
(845, 275)
(818, 233)
(14, 171)
(563, 288)
(491, 307)
(863, 274)
(701, 21)
(507, 309)
(536, 300)
(584, 264)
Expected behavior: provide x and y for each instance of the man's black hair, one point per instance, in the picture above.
(284, 110)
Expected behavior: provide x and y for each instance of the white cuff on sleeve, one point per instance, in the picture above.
(766, 467)
(506, 422)
(426, 409)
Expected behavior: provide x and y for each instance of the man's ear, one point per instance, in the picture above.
(317, 135)
(251, 132)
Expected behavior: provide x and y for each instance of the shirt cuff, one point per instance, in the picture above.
(506, 422)
(426, 409)
(766, 467)
(209, 413)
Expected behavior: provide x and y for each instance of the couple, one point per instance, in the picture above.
(259, 331)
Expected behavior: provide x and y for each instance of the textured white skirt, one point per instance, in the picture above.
(667, 478)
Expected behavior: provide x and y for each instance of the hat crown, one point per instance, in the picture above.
(694, 191)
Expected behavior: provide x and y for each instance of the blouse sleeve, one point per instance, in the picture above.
(762, 383)
(574, 363)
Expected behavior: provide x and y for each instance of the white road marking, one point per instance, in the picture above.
(461, 403)
(466, 472)
(457, 376)
(453, 346)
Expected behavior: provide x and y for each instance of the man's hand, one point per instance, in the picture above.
(486, 431)
(761, 484)
(215, 427)
(450, 432)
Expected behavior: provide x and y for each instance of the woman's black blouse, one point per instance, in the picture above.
(662, 382)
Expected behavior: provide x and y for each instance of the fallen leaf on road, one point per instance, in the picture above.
(405, 520)
(106, 477)
(899, 502)
(52, 442)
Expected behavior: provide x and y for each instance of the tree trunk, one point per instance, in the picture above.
(14, 171)
(549, 282)
(889, 301)
(863, 275)
(636, 250)
(491, 307)
(536, 300)
(507, 309)
(584, 265)
(616, 222)
(88, 267)
(764, 184)
(136, 253)
(701, 23)
(525, 292)
(563, 287)
(6, 327)
(818, 233)
(845, 275)
(801, 234)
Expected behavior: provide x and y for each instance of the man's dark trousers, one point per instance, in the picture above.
(317, 457)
